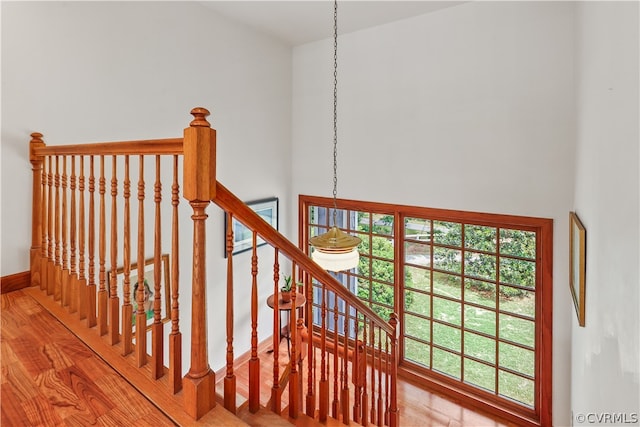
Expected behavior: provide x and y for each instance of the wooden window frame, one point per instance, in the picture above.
(541, 412)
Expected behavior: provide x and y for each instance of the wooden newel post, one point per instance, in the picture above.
(36, 213)
(394, 414)
(199, 189)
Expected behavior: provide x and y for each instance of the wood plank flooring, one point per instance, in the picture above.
(418, 407)
(50, 378)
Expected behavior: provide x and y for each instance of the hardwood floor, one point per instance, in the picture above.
(418, 408)
(50, 378)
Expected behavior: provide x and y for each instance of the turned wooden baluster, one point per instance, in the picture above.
(310, 404)
(364, 420)
(64, 298)
(114, 300)
(73, 282)
(335, 406)
(394, 413)
(157, 329)
(44, 261)
(323, 403)
(82, 280)
(372, 374)
(386, 380)
(102, 253)
(141, 315)
(356, 376)
(199, 189)
(91, 288)
(37, 238)
(230, 377)
(51, 274)
(175, 337)
(254, 362)
(276, 393)
(344, 395)
(127, 309)
(294, 391)
(57, 292)
(45, 230)
(379, 413)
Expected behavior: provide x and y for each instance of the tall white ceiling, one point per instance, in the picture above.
(296, 22)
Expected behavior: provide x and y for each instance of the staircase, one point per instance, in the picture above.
(88, 251)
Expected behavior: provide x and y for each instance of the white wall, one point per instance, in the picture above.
(470, 107)
(605, 374)
(101, 71)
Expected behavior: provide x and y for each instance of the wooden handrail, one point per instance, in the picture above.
(68, 261)
(145, 147)
(243, 213)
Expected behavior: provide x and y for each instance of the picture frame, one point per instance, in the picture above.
(165, 294)
(577, 264)
(242, 236)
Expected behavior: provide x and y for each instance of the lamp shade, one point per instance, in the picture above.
(336, 261)
(335, 250)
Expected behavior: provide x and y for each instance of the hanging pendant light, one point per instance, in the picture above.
(335, 250)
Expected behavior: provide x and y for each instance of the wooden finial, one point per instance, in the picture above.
(36, 141)
(200, 115)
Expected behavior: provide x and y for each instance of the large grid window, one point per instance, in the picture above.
(472, 316)
(472, 292)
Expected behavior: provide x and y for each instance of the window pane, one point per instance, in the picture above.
(446, 310)
(479, 292)
(518, 272)
(447, 259)
(315, 231)
(517, 330)
(515, 387)
(447, 363)
(318, 215)
(417, 229)
(417, 278)
(417, 253)
(480, 238)
(516, 358)
(480, 375)
(447, 285)
(417, 352)
(417, 327)
(480, 347)
(447, 233)
(517, 301)
(479, 319)
(518, 243)
(382, 224)
(446, 336)
(480, 265)
(364, 246)
(417, 302)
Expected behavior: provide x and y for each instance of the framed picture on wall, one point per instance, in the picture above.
(242, 236)
(577, 264)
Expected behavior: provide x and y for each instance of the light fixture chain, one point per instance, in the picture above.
(335, 111)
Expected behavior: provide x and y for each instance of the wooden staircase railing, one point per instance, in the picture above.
(372, 390)
(82, 214)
